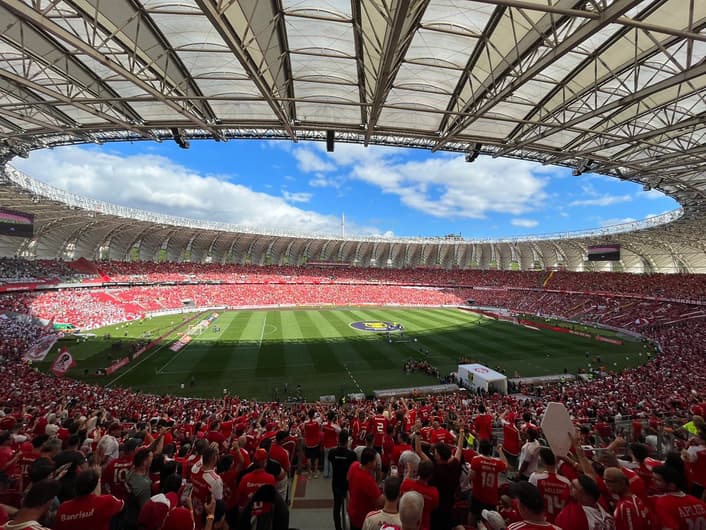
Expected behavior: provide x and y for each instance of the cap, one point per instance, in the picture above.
(494, 519)
(179, 518)
(260, 455)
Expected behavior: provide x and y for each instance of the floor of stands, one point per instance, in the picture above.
(311, 503)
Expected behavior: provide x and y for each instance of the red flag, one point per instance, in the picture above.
(63, 362)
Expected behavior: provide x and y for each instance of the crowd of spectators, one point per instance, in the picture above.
(17, 270)
(669, 385)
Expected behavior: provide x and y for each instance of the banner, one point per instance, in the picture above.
(39, 350)
(63, 362)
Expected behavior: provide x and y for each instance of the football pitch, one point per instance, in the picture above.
(266, 354)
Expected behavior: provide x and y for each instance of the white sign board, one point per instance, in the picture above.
(556, 425)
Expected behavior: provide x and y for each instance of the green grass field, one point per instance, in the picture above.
(258, 351)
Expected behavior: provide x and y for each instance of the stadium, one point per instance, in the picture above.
(123, 327)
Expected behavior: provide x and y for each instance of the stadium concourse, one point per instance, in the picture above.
(648, 405)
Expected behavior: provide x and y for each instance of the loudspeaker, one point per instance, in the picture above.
(329, 141)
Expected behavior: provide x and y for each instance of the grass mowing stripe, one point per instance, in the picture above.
(373, 350)
(322, 354)
(271, 358)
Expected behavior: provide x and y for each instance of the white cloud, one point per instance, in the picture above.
(651, 195)
(604, 200)
(300, 196)
(443, 186)
(309, 162)
(154, 183)
(322, 181)
(525, 223)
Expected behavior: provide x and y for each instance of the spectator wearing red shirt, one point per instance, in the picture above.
(35, 505)
(530, 506)
(115, 473)
(583, 512)
(421, 485)
(88, 510)
(252, 481)
(403, 444)
(555, 489)
(483, 424)
(215, 434)
(330, 430)
(378, 426)
(363, 493)
(207, 485)
(640, 455)
(674, 509)
(484, 475)
(312, 443)
(8, 457)
(511, 438)
(631, 512)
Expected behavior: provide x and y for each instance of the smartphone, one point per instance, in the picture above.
(186, 493)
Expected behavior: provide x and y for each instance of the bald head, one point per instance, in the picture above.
(410, 509)
(615, 480)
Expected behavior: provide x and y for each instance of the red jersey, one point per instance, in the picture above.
(363, 494)
(678, 511)
(281, 455)
(442, 435)
(397, 452)
(511, 438)
(331, 431)
(206, 484)
(485, 478)
(88, 512)
(359, 431)
(26, 461)
(250, 483)
(483, 425)
(555, 491)
(574, 516)
(378, 426)
(431, 498)
(312, 433)
(115, 475)
(637, 486)
(631, 513)
(644, 471)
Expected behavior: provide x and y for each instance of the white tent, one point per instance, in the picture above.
(476, 376)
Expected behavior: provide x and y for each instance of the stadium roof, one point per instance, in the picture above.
(607, 86)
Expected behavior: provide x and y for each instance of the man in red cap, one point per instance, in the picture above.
(253, 480)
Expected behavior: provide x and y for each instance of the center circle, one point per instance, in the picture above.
(377, 326)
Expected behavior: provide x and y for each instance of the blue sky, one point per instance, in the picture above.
(280, 185)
